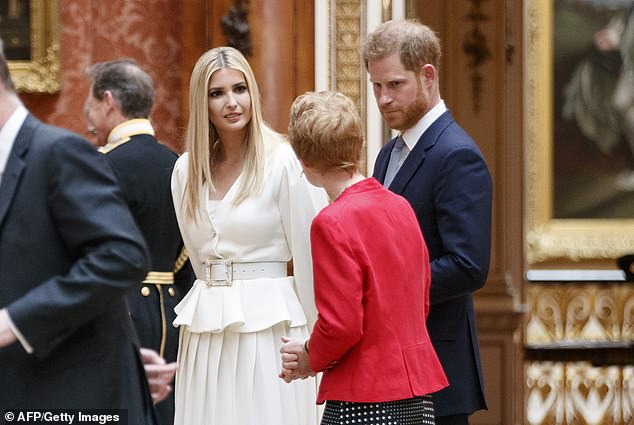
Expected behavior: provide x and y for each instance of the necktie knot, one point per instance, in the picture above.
(399, 143)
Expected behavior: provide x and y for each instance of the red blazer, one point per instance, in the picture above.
(372, 280)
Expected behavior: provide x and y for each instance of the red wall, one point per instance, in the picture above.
(96, 30)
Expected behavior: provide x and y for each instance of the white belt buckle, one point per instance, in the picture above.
(213, 281)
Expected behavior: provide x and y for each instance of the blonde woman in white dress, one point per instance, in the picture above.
(244, 210)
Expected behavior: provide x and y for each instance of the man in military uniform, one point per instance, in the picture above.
(117, 108)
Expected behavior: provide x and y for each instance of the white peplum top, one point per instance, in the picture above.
(273, 225)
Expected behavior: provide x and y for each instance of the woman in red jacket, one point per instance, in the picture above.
(371, 281)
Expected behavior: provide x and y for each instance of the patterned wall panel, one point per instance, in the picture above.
(586, 332)
(146, 30)
(348, 37)
(349, 74)
(569, 313)
(579, 394)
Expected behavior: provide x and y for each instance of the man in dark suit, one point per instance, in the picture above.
(438, 168)
(118, 105)
(69, 252)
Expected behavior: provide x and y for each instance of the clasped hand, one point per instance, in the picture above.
(295, 364)
(159, 374)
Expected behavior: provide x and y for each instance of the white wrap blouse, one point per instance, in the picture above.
(273, 225)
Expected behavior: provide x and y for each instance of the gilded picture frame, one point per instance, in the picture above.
(38, 70)
(550, 239)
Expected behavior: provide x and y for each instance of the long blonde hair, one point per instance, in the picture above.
(202, 135)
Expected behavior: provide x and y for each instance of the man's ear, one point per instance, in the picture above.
(428, 72)
(109, 100)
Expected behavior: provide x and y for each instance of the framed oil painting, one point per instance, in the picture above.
(30, 32)
(579, 74)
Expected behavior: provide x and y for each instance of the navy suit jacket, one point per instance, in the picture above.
(447, 182)
(69, 252)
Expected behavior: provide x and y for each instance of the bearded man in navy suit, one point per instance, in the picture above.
(439, 169)
(69, 252)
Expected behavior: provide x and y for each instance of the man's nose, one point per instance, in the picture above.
(384, 97)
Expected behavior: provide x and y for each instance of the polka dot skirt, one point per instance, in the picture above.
(412, 411)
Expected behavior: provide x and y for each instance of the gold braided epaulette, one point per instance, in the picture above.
(180, 261)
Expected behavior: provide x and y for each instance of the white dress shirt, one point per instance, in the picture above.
(8, 134)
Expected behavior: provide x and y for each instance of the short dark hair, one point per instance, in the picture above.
(5, 75)
(129, 84)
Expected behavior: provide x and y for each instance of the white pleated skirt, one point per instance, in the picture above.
(231, 378)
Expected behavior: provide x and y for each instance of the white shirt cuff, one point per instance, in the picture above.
(25, 344)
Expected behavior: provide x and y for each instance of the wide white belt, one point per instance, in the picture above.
(223, 272)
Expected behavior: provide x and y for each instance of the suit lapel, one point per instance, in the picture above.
(15, 166)
(416, 157)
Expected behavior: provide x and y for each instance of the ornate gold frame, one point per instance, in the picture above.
(547, 238)
(41, 73)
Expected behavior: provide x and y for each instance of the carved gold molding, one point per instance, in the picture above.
(349, 72)
(41, 73)
(571, 313)
(577, 393)
(348, 67)
(549, 238)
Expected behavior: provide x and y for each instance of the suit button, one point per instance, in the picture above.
(171, 292)
(145, 291)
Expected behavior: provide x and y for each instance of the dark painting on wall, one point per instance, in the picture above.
(30, 33)
(593, 109)
(15, 29)
(579, 131)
